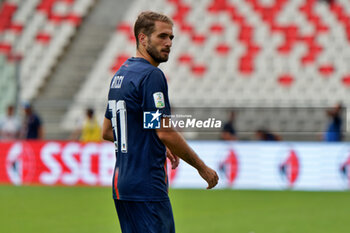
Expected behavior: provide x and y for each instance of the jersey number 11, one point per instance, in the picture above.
(119, 109)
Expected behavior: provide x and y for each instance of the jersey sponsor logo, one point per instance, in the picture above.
(151, 120)
(117, 81)
(159, 100)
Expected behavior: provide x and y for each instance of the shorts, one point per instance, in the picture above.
(145, 216)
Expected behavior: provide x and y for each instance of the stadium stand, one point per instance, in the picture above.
(36, 32)
(74, 66)
(226, 53)
(232, 53)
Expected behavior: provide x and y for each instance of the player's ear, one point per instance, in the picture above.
(143, 39)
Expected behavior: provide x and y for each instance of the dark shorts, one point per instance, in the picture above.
(145, 217)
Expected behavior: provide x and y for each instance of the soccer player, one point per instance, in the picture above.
(140, 183)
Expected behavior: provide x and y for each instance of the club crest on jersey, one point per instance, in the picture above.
(117, 81)
(159, 100)
(151, 120)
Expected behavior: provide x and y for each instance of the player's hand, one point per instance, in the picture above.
(210, 176)
(173, 159)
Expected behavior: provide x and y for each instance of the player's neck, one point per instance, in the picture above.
(144, 54)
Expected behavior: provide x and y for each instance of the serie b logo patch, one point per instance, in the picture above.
(159, 100)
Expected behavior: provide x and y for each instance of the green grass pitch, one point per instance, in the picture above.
(91, 210)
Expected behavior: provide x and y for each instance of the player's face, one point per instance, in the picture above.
(160, 41)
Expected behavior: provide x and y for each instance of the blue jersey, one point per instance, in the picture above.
(140, 171)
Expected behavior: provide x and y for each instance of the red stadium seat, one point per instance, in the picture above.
(198, 39)
(127, 29)
(6, 13)
(223, 49)
(185, 27)
(185, 59)
(286, 80)
(124, 27)
(16, 28)
(199, 70)
(217, 28)
(246, 65)
(74, 19)
(43, 37)
(45, 6)
(218, 6)
(326, 70)
(14, 57)
(5, 48)
(346, 80)
(119, 60)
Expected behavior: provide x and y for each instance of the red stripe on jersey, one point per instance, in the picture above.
(116, 183)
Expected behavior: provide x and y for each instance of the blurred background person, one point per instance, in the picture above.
(10, 125)
(327, 1)
(228, 132)
(89, 129)
(333, 132)
(266, 135)
(32, 124)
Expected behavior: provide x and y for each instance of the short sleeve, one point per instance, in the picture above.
(154, 91)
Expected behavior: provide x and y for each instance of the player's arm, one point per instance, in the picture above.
(177, 145)
(107, 130)
(173, 159)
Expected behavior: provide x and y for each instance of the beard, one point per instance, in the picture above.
(156, 55)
